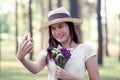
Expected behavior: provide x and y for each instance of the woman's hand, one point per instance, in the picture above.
(26, 46)
(60, 73)
(64, 75)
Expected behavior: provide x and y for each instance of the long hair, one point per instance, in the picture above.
(53, 43)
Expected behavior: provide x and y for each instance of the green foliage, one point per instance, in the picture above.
(88, 8)
(110, 69)
(4, 24)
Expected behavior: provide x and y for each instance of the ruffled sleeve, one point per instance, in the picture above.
(89, 52)
(43, 52)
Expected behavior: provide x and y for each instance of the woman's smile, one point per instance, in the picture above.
(59, 36)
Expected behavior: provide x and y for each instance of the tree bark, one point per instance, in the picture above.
(42, 15)
(50, 5)
(16, 26)
(100, 49)
(59, 3)
(119, 39)
(106, 31)
(24, 17)
(30, 25)
(75, 13)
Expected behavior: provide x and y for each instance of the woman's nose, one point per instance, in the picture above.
(58, 31)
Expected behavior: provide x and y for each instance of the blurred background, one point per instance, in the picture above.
(100, 29)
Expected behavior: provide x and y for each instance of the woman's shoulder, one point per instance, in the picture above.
(83, 45)
(87, 50)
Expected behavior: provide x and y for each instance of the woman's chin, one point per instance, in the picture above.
(60, 40)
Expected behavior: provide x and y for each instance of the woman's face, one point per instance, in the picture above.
(60, 32)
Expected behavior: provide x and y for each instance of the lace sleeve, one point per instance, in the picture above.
(89, 52)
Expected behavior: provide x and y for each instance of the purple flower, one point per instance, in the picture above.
(65, 52)
(60, 55)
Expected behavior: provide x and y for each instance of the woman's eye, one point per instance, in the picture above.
(60, 26)
(52, 28)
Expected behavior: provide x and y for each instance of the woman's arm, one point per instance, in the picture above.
(92, 68)
(35, 66)
(26, 46)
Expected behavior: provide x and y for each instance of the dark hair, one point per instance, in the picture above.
(53, 43)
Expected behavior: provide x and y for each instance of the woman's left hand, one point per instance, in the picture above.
(64, 75)
(60, 73)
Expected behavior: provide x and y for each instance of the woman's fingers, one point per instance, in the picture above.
(61, 73)
(26, 46)
(24, 38)
(29, 46)
(25, 43)
(29, 36)
(58, 71)
(57, 68)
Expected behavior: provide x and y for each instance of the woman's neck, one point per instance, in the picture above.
(69, 44)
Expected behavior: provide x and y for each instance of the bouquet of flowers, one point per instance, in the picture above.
(61, 55)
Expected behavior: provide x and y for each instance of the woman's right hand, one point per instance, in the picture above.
(26, 46)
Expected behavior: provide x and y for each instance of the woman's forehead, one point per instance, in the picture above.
(57, 24)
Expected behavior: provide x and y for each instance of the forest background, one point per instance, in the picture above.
(100, 29)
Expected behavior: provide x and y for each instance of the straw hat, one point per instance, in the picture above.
(59, 15)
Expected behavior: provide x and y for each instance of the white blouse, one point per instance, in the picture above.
(76, 64)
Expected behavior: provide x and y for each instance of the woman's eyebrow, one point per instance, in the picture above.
(61, 24)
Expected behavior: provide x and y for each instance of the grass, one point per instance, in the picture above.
(110, 69)
(12, 69)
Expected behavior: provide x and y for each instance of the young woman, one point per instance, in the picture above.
(61, 32)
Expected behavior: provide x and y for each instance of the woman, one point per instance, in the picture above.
(61, 32)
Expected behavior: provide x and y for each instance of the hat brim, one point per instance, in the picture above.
(47, 24)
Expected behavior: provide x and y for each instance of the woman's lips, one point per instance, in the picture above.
(59, 36)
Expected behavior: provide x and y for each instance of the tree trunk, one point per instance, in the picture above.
(42, 15)
(106, 31)
(100, 49)
(30, 25)
(75, 13)
(59, 3)
(16, 26)
(24, 21)
(119, 39)
(50, 5)
(0, 41)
